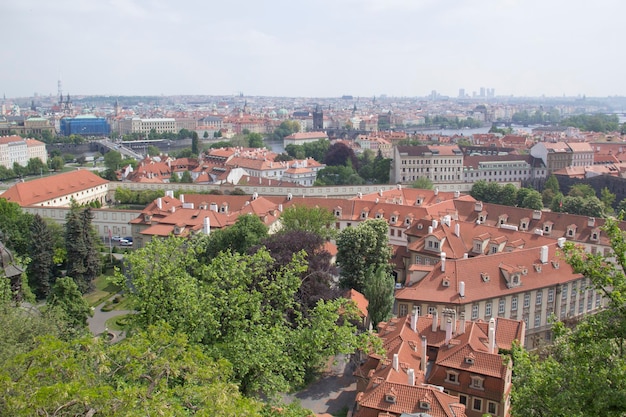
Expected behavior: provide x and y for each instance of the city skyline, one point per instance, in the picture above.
(316, 49)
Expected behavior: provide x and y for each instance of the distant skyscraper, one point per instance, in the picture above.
(461, 93)
(433, 95)
(482, 91)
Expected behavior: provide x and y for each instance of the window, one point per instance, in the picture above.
(551, 295)
(403, 309)
(580, 307)
(477, 382)
(514, 303)
(537, 319)
(477, 404)
(452, 377)
(526, 300)
(574, 289)
(431, 310)
(589, 302)
(494, 249)
(539, 298)
(563, 310)
(564, 292)
(463, 399)
(475, 312)
(501, 306)
(492, 408)
(488, 309)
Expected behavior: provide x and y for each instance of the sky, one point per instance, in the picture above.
(316, 48)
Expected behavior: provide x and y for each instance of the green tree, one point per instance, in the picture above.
(83, 259)
(113, 160)
(186, 177)
(36, 166)
(584, 372)
(206, 135)
(379, 291)
(552, 184)
(621, 207)
(247, 232)
(255, 140)
(478, 190)
(195, 143)
(532, 200)
(508, 195)
(153, 150)
(56, 163)
(581, 190)
(42, 257)
(317, 220)
(153, 372)
(362, 247)
(608, 199)
(67, 298)
(423, 183)
(15, 227)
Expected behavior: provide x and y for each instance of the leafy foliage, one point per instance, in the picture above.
(593, 122)
(379, 291)
(66, 297)
(584, 372)
(15, 227)
(83, 259)
(360, 248)
(247, 232)
(423, 183)
(493, 192)
(316, 220)
(42, 256)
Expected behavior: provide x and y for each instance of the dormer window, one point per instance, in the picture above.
(477, 382)
(393, 220)
(379, 215)
(364, 214)
(482, 217)
(469, 359)
(547, 227)
(445, 282)
(390, 398)
(337, 212)
(452, 377)
(484, 276)
(407, 221)
(424, 405)
(147, 218)
(571, 230)
(555, 264)
(594, 235)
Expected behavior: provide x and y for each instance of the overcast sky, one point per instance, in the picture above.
(316, 48)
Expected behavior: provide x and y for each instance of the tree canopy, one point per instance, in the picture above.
(584, 372)
(316, 220)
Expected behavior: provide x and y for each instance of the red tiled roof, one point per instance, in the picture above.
(55, 186)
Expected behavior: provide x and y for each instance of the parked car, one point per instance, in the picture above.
(126, 242)
(116, 238)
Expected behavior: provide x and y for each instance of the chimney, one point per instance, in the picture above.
(380, 192)
(448, 330)
(462, 289)
(591, 221)
(443, 262)
(457, 194)
(414, 320)
(457, 230)
(492, 335)
(430, 229)
(213, 207)
(478, 206)
(465, 255)
(561, 242)
(435, 321)
(411, 374)
(206, 226)
(424, 356)
(169, 193)
(544, 255)
(182, 198)
(280, 208)
(436, 190)
(173, 209)
(396, 362)
(435, 224)
(462, 329)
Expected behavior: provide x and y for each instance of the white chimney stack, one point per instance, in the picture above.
(396, 362)
(430, 230)
(280, 208)
(457, 230)
(492, 335)
(414, 320)
(462, 289)
(436, 190)
(443, 262)
(160, 203)
(206, 226)
(448, 330)
(411, 376)
(561, 242)
(435, 321)
(435, 224)
(169, 193)
(424, 354)
(182, 198)
(544, 255)
(591, 221)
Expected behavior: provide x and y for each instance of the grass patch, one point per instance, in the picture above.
(118, 323)
(104, 290)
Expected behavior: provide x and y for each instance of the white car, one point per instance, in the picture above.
(126, 242)
(116, 238)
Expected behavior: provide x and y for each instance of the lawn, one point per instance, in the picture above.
(104, 290)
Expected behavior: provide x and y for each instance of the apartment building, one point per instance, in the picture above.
(503, 168)
(440, 164)
(559, 155)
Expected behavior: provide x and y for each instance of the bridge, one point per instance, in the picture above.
(105, 145)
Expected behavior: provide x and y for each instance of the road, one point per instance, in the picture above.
(97, 323)
(333, 392)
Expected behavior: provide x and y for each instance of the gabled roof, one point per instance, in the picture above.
(55, 186)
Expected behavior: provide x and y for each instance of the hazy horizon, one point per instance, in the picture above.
(278, 48)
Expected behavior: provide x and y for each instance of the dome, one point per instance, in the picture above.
(283, 112)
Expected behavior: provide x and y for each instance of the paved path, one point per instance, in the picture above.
(331, 393)
(97, 323)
